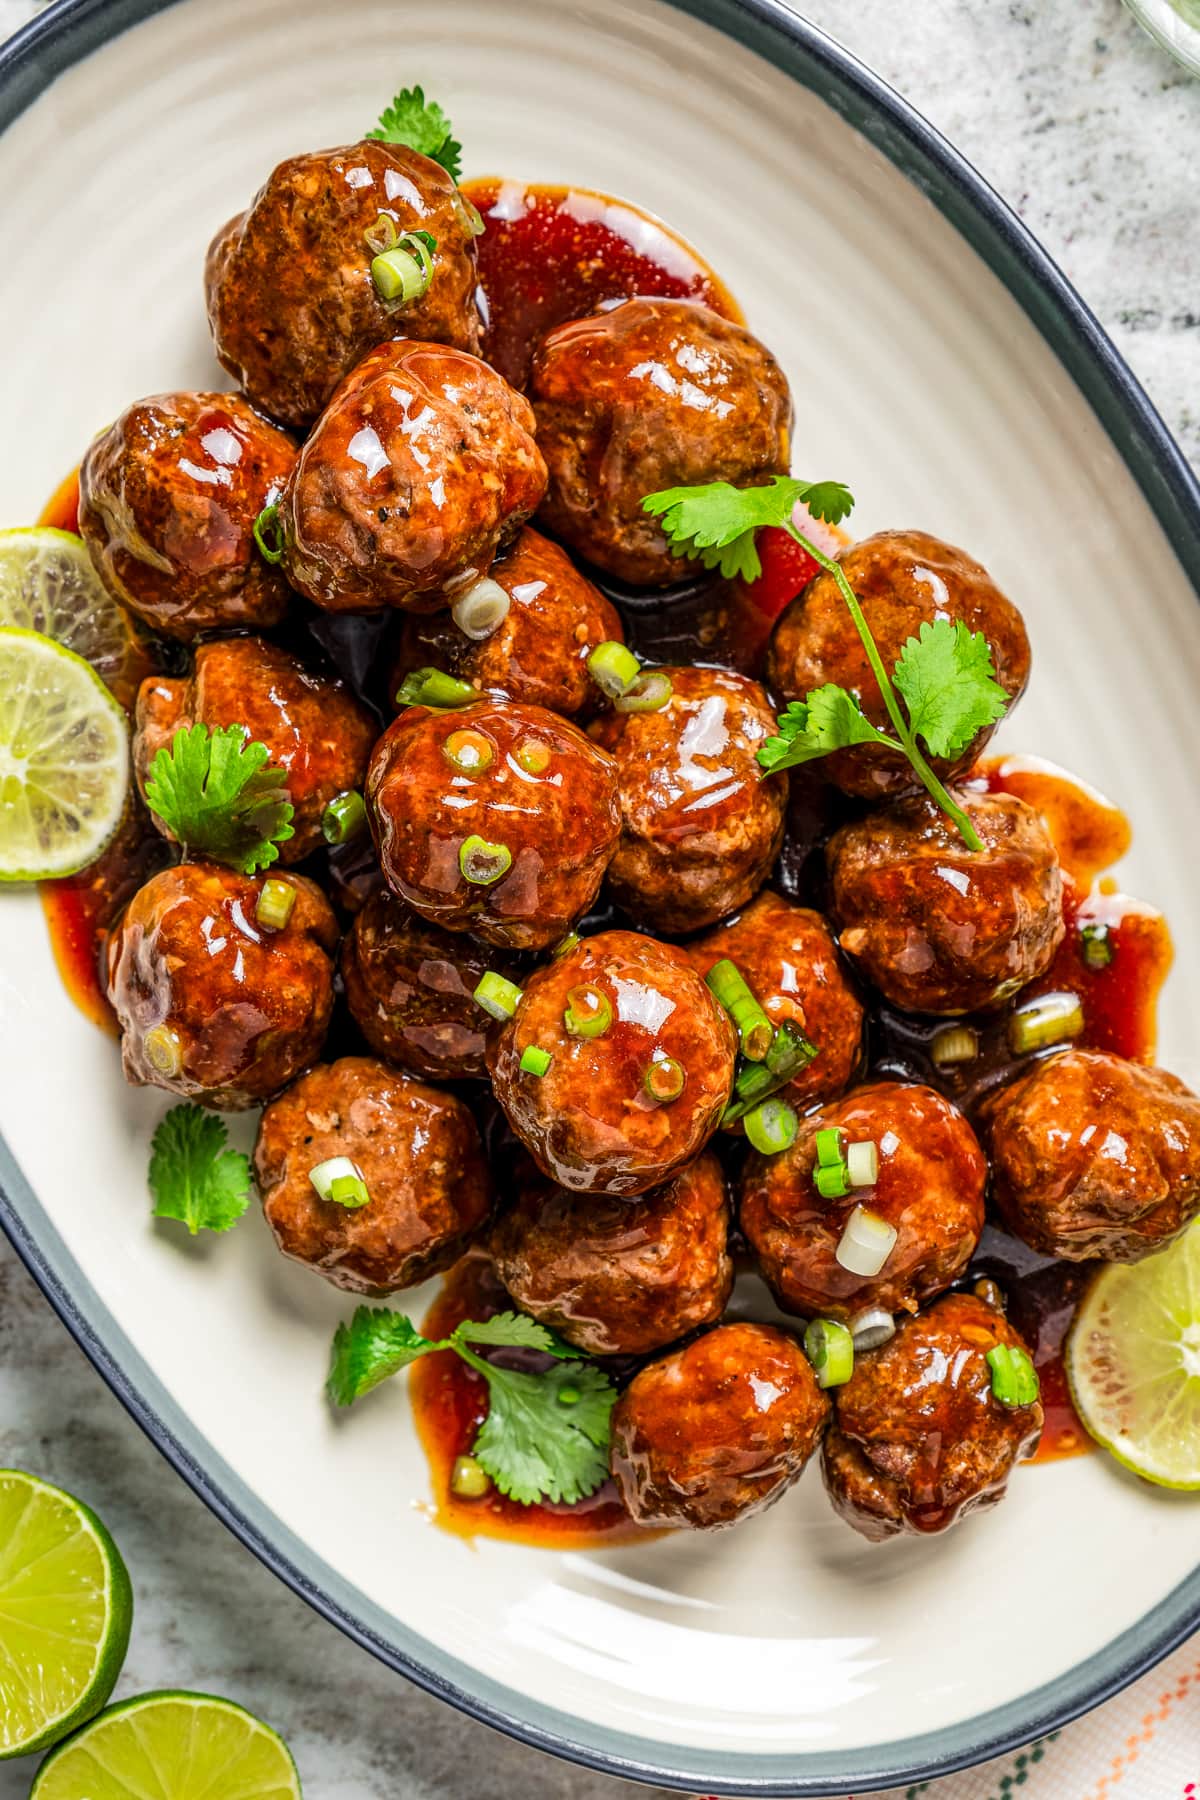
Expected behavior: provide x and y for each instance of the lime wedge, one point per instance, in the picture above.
(171, 1747)
(48, 584)
(1133, 1362)
(64, 759)
(65, 1612)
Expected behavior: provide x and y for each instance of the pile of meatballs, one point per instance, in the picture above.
(405, 472)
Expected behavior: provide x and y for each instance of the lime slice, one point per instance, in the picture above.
(171, 1747)
(1133, 1362)
(65, 1611)
(48, 584)
(64, 759)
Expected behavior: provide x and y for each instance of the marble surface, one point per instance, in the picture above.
(1093, 135)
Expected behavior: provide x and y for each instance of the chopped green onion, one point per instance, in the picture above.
(613, 668)
(533, 756)
(862, 1164)
(469, 1480)
(871, 1328)
(467, 214)
(433, 687)
(831, 1181)
(404, 272)
(866, 1243)
(275, 904)
(828, 1146)
(569, 1394)
(588, 1012)
(771, 1126)
(344, 817)
(1098, 947)
(790, 1053)
(1014, 1378)
(341, 1181)
(954, 1044)
(830, 1349)
(164, 1052)
(648, 693)
(497, 996)
(535, 1060)
(730, 988)
(1050, 1019)
(482, 863)
(381, 235)
(565, 945)
(664, 1079)
(470, 752)
(482, 609)
(268, 533)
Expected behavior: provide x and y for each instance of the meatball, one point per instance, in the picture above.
(168, 498)
(789, 959)
(291, 301)
(419, 471)
(903, 579)
(932, 1176)
(312, 726)
(410, 989)
(1093, 1156)
(650, 394)
(623, 1020)
(620, 1277)
(939, 928)
(495, 819)
(211, 1004)
(700, 824)
(718, 1430)
(539, 653)
(419, 1156)
(918, 1439)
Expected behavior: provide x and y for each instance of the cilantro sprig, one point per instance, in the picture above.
(945, 675)
(545, 1435)
(421, 125)
(193, 1176)
(215, 793)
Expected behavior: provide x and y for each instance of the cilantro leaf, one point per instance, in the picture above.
(948, 680)
(716, 522)
(535, 1443)
(422, 126)
(830, 719)
(193, 1177)
(516, 1329)
(215, 794)
(375, 1344)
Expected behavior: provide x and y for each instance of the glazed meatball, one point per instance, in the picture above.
(903, 579)
(168, 497)
(211, 1004)
(291, 301)
(718, 1430)
(789, 958)
(623, 1019)
(650, 394)
(932, 1176)
(620, 1277)
(495, 819)
(419, 471)
(410, 989)
(700, 825)
(312, 726)
(1093, 1156)
(918, 1439)
(415, 1148)
(939, 928)
(538, 654)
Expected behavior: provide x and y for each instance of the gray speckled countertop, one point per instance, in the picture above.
(1093, 135)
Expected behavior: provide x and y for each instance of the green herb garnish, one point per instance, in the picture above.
(545, 1436)
(421, 125)
(193, 1176)
(215, 794)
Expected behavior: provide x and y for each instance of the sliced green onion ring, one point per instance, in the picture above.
(954, 1044)
(533, 756)
(862, 1164)
(381, 234)
(790, 1053)
(535, 1060)
(588, 1012)
(497, 996)
(828, 1146)
(830, 1349)
(344, 817)
(731, 990)
(482, 609)
(649, 693)
(467, 214)
(434, 688)
(469, 1480)
(613, 668)
(565, 945)
(403, 273)
(871, 1328)
(470, 752)
(1097, 947)
(341, 1181)
(482, 863)
(1050, 1019)
(771, 1126)
(664, 1079)
(866, 1243)
(275, 903)
(268, 533)
(831, 1181)
(163, 1050)
(1014, 1378)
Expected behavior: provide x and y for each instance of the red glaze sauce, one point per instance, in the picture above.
(549, 254)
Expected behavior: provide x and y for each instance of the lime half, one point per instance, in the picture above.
(171, 1747)
(1133, 1362)
(65, 1612)
(48, 584)
(64, 759)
